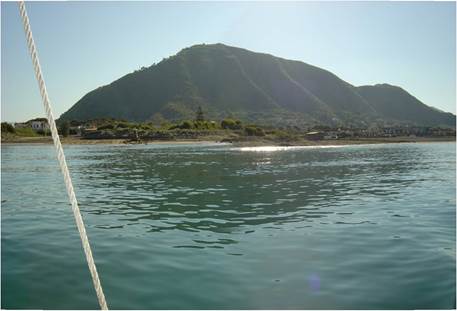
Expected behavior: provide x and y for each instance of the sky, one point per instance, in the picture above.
(84, 45)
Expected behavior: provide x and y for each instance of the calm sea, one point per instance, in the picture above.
(212, 226)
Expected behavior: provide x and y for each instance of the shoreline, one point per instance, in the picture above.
(250, 142)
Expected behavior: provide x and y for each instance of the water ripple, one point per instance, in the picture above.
(223, 227)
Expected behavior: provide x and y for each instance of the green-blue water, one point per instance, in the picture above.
(212, 226)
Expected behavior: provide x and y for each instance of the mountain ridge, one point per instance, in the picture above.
(230, 81)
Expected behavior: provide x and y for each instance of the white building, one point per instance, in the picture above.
(38, 125)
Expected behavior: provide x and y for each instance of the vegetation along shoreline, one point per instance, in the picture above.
(111, 131)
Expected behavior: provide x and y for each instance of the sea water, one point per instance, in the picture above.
(211, 226)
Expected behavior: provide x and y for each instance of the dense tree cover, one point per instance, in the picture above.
(257, 87)
(394, 103)
(7, 128)
(112, 124)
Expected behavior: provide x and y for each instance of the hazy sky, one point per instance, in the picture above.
(83, 45)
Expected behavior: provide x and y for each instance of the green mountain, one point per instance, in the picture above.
(394, 103)
(229, 81)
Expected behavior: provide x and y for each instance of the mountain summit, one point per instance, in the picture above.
(230, 81)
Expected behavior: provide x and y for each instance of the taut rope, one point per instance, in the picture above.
(61, 158)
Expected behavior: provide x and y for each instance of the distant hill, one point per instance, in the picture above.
(394, 103)
(229, 81)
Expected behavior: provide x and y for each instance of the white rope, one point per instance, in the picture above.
(61, 158)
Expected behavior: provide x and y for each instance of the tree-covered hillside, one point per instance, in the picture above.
(232, 82)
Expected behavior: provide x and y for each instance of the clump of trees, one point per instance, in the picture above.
(231, 124)
(64, 129)
(106, 126)
(195, 125)
(8, 128)
(122, 125)
(253, 130)
(200, 123)
(186, 125)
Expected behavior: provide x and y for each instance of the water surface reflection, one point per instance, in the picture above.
(225, 190)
